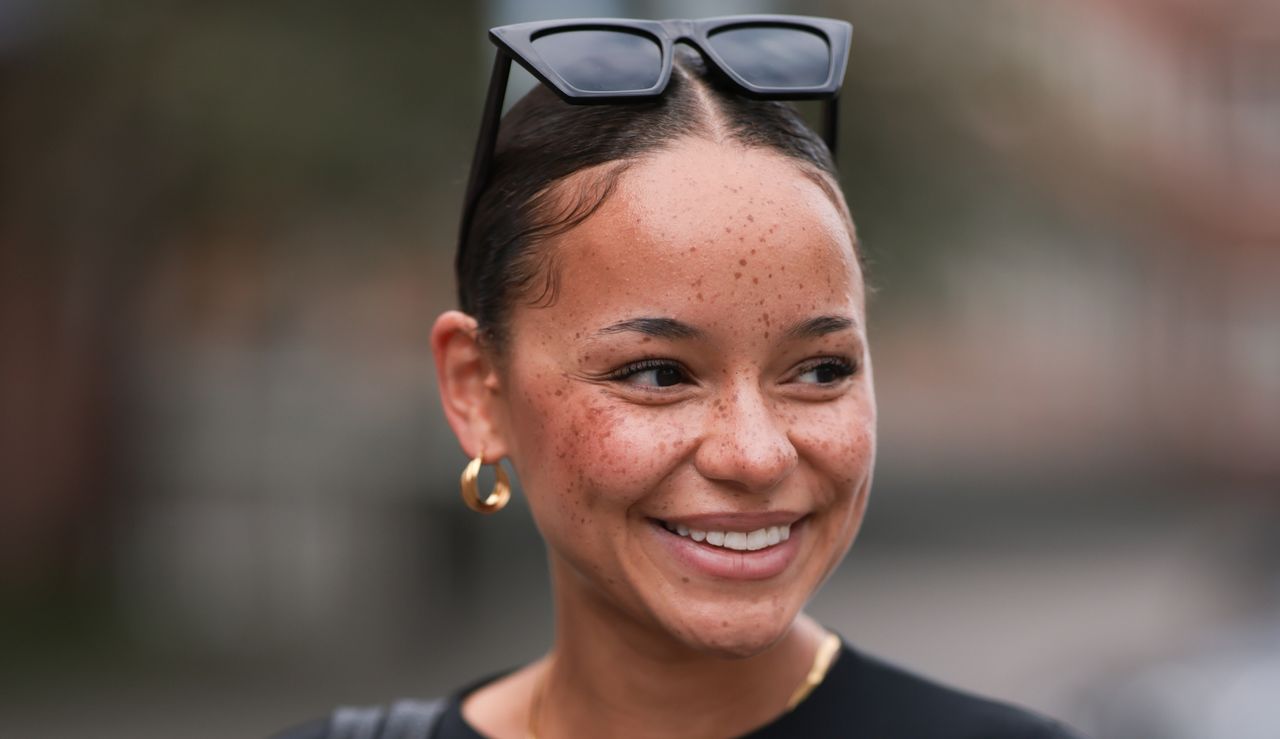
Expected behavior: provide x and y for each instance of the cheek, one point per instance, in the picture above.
(591, 451)
(840, 439)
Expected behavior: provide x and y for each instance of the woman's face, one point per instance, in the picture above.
(693, 417)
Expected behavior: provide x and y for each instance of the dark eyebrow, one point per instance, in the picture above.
(661, 328)
(820, 326)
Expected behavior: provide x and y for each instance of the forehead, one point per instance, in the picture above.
(710, 226)
(703, 191)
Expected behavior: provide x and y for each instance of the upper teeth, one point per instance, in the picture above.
(742, 541)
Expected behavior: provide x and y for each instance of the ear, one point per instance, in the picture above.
(469, 389)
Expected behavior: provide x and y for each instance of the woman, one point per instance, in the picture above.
(663, 331)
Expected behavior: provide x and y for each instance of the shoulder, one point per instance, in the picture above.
(888, 700)
(404, 719)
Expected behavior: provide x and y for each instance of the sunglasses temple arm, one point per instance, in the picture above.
(482, 161)
(831, 123)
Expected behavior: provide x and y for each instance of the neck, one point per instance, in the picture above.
(607, 669)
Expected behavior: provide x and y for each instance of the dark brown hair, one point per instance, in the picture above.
(543, 140)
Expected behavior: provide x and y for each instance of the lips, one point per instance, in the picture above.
(735, 547)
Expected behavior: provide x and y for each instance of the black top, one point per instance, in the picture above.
(860, 697)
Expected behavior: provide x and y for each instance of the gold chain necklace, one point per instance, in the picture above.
(822, 661)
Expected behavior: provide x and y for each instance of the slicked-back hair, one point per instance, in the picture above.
(504, 258)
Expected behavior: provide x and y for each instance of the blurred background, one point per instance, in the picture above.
(228, 498)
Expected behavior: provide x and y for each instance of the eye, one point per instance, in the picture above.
(825, 371)
(655, 373)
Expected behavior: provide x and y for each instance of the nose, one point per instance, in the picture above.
(745, 444)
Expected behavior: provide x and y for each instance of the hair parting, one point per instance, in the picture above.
(555, 164)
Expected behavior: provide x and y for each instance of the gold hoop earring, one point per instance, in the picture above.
(497, 498)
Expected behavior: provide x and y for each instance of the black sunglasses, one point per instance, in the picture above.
(614, 60)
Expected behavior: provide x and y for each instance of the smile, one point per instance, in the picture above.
(733, 546)
(741, 541)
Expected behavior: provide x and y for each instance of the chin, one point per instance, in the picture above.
(734, 631)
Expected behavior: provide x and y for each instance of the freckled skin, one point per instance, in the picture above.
(749, 418)
(599, 458)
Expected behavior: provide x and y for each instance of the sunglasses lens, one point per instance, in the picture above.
(774, 57)
(602, 61)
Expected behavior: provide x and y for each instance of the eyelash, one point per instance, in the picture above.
(843, 368)
(628, 371)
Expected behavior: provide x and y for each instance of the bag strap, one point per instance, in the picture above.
(354, 723)
(411, 719)
(407, 719)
